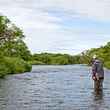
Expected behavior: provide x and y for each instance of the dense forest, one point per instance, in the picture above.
(14, 53)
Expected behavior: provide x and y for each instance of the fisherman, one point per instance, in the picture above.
(97, 73)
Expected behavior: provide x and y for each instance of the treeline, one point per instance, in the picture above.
(14, 54)
(54, 59)
(103, 53)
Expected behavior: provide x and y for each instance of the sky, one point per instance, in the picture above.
(60, 26)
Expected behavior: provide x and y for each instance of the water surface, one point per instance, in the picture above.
(54, 88)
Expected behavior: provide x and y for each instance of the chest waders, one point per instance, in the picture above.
(98, 84)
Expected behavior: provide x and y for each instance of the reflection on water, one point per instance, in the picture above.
(98, 101)
(98, 95)
(54, 88)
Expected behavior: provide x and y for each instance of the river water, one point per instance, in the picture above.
(54, 88)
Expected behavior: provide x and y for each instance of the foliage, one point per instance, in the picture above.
(11, 40)
(8, 31)
(14, 53)
(35, 62)
(16, 49)
(103, 53)
(12, 65)
(55, 59)
(17, 65)
(85, 57)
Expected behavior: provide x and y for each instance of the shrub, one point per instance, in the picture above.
(3, 70)
(35, 62)
(107, 64)
(14, 65)
(17, 65)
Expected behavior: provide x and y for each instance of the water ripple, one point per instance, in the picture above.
(53, 88)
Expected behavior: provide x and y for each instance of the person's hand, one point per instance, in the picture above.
(93, 77)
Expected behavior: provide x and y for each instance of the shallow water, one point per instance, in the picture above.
(54, 88)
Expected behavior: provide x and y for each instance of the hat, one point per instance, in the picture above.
(94, 56)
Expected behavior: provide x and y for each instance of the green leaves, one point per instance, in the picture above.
(12, 65)
(14, 53)
(103, 53)
(8, 31)
(54, 59)
(11, 43)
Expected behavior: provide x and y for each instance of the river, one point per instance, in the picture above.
(66, 87)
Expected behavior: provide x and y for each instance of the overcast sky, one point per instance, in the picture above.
(64, 26)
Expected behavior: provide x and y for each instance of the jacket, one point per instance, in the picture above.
(97, 68)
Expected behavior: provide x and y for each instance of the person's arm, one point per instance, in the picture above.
(94, 69)
(94, 72)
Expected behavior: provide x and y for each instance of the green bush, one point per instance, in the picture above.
(107, 64)
(3, 70)
(14, 65)
(35, 62)
(53, 59)
(17, 65)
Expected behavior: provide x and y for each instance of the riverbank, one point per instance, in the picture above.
(13, 65)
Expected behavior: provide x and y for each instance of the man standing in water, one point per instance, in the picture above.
(97, 73)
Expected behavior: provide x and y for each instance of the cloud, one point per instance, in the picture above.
(68, 26)
(95, 9)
